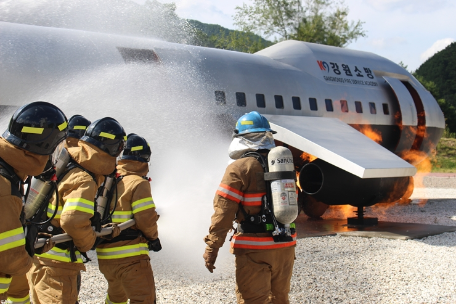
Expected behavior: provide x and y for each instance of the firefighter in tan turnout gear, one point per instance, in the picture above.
(124, 260)
(33, 133)
(77, 125)
(263, 247)
(53, 275)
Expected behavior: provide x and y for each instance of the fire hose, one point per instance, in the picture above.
(64, 237)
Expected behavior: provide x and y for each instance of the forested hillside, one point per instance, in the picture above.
(216, 36)
(441, 69)
(438, 75)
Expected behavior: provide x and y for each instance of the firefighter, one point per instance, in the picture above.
(263, 264)
(77, 125)
(33, 133)
(53, 276)
(124, 260)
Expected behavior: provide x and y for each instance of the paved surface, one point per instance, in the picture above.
(390, 230)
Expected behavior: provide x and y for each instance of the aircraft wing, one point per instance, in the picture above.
(337, 143)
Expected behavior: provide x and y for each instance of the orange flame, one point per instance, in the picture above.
(340, 211)
(367, 131)
(308, 157)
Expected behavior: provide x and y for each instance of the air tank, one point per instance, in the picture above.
(283, 185)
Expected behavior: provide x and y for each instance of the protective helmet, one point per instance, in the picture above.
(106, 134)
(252, 122)
(37, 127)
(136, 148)
(77, 126)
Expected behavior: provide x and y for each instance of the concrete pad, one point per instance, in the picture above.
(389, 230)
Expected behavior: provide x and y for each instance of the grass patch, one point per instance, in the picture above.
(445, 159)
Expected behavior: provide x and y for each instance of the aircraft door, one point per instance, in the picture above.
(408, 120)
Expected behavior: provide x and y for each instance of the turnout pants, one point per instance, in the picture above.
(132, 280)
(52, 285)
(18, 292)
(263, 276)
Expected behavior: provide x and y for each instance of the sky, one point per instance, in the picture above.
(400, 30)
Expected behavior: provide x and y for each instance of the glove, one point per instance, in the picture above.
(154, 245)
(115, 231)
(95, 221)
(47, 246)
(209, 256)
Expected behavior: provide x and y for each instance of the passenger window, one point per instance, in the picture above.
(358, 107)
(296, 103)
(220, 97)
(313, 104)
(386, 110)
(372, 108)
(278, 101)
(240, 99)
(344, 106)
(261, 103)
(329, 105)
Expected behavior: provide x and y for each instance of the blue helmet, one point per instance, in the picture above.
(252, 122)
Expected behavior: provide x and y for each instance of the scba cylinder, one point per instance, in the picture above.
(283, 185)
(39, 189)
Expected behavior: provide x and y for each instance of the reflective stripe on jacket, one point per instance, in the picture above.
(122, 251)
(246, 199)
(79, 204)
(121, 216)
(24, 300)
(12, 238)
(249, 242)
(62, 255)
(5, 284)
(142, 204)
(51, 209)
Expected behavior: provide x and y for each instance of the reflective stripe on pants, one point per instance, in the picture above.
(5, 284)
(24, 300)
(122, 251)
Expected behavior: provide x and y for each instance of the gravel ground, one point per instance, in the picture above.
(335, 269)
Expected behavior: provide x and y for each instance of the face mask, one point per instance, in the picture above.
(250, 142)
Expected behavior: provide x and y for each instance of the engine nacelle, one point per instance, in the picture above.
(334, 186)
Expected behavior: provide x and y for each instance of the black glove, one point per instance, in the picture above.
(95, 221)
(47, 246)
(154, 245)
(30, 239)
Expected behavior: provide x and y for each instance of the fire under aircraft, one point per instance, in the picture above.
(326, 103)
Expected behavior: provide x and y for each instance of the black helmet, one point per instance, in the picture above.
(136, 148)
(77, 126)
(106, 134)
(37, 127)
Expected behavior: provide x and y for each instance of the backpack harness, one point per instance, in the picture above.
(265, 220)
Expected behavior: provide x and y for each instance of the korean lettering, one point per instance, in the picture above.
(346, 69)
(335, 68)
(369, 73)
(358, 72)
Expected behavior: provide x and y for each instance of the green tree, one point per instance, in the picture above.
(318, 21)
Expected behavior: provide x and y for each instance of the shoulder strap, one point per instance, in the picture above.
(260, 158)
(72, 164)
(8, 172)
